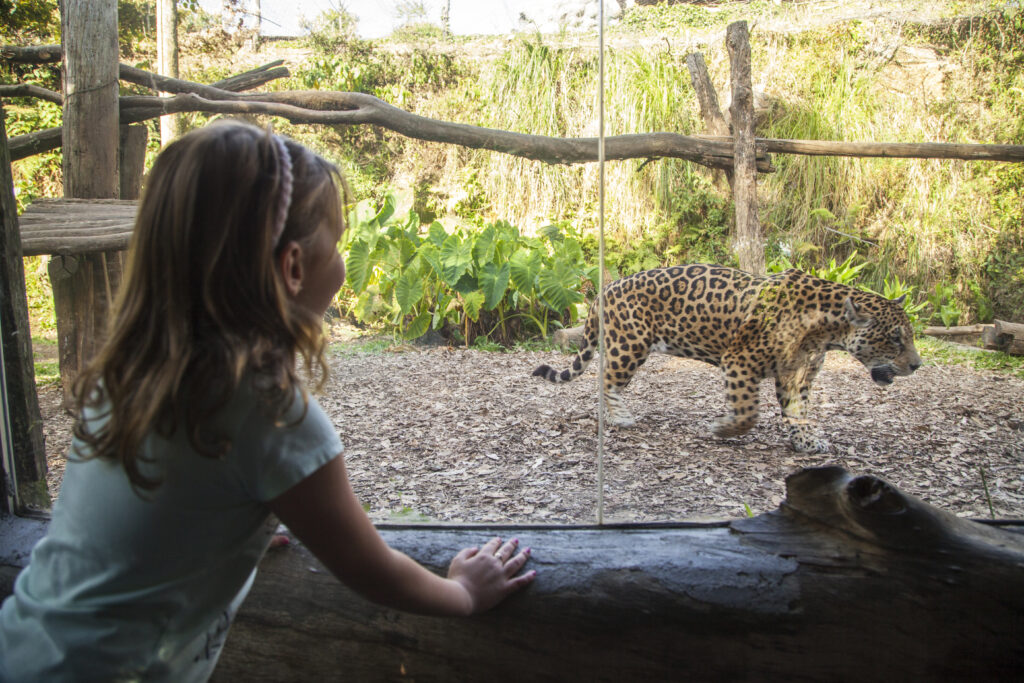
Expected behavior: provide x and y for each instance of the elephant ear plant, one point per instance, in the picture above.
(492, 279)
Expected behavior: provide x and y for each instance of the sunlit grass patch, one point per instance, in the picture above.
(939, 352)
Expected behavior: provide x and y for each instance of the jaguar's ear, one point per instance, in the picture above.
(853, 314)
(900, 299)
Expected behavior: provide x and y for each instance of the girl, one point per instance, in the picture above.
(193, 427)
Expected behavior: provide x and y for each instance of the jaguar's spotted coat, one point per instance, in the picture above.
(752, 327)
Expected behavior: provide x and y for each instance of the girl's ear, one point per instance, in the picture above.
(289, 263)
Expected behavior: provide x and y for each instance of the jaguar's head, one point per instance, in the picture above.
(881, 337)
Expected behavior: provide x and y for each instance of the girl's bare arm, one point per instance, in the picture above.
(323, 511)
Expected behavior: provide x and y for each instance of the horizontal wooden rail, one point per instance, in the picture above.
(76, 226)
(894, 150)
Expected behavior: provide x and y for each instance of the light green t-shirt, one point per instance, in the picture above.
(130, 587)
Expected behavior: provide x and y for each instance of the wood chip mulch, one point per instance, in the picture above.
(455, 435)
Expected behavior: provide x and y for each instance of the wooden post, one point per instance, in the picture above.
(83, 285)
(167, 58)
(133, 160)
(748, 241)
(22, 404)
(89, 34)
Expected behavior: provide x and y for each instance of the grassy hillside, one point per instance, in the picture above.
(928, 72)
(923, 72)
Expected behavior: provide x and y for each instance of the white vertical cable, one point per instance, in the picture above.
(600, 266)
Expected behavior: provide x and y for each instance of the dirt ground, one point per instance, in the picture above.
(434, 433)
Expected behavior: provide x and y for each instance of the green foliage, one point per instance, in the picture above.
(489, 284)
(420, 32)
(845, 273)
(894, 288)
(694, 230)
(342, 61)
(943, 307)
(372, 345)
(916, 222)
(136, 21)
(666, 18)
(937, 351)
(998, 292)
(41, 313)
(39, 175)
(407, 515)
(47, 367)
(27, 22)
(930, 222)
(339, 60)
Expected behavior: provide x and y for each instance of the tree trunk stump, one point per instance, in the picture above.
(849, 580)
(749, 237)
(83, 285)
(28, 489)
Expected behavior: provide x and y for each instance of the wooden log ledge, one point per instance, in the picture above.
(849, 580)
(76, 226)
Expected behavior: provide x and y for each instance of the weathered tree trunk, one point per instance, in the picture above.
(167, 59)
(83, 285)
(955, 331)
(89, 32)
(748, 240)
(961, 334)
(1011, 335)
(132, 160)
(849, 580)
(568, 336)
(707, 98)
(22, 405)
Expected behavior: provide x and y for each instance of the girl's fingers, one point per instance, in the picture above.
(508, 550)
(467, 553)
(522, 580)
(516, 563)
(491, 547)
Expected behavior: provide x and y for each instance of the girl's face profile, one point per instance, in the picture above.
(325, 272)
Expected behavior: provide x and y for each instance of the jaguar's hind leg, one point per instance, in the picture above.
(741, 393)
(619, 370)
(616, 411)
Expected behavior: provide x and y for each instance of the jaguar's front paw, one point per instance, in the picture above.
(620, 420)
(810, 443)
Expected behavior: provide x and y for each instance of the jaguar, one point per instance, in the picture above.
(752, 327)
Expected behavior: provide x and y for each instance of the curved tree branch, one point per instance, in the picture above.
(346, 108)
(31, 54)
(26, 90)
(220, 90)
(338, 108)
(22, 146)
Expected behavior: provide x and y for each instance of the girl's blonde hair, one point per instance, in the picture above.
(202, 303)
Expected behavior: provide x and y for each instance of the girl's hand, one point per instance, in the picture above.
(488, 574)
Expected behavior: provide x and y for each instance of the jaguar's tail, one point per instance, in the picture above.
(582, 359)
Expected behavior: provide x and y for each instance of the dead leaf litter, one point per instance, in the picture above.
(453, 435)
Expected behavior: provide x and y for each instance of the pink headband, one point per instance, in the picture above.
(285, 200)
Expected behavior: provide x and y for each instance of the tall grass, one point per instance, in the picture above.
(551, 89)
(926, 221)
(851, 78)
(929, 220)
